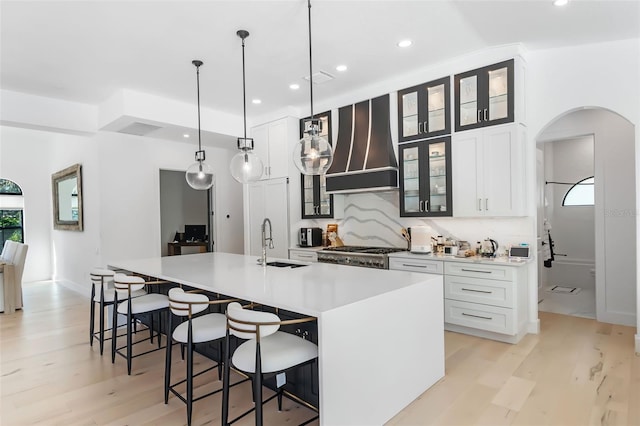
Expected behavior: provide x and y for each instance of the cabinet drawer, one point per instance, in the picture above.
(483, 317)
(478, 290)
(416, 265)
(476, 270)
(303, 255)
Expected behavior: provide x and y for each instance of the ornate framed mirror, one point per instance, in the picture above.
(67, 198)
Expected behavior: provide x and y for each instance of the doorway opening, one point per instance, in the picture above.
(567, 277)
(610, 243)
(183, 211)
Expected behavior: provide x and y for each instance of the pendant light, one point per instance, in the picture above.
(313, 155)
(199, 175)
(245, 166)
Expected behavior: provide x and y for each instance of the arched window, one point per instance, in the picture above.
(11, 218)
(580, 194)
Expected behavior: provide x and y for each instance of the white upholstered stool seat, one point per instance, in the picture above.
(207, 327)
(149, 304)
(277, 351)
(142, 304)
(109, 295)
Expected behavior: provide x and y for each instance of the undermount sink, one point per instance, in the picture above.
(285, 264)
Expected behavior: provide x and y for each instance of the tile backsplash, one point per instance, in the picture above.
(373, 219)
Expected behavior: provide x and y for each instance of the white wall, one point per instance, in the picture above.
(120, 194)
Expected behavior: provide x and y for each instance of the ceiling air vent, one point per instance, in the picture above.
(138, 129)
(320, 77)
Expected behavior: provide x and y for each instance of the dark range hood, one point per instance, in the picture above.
(363, 158)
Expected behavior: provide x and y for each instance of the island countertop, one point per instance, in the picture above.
(368, 319)
(311, 289)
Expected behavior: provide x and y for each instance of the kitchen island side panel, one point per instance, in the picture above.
(378, 355)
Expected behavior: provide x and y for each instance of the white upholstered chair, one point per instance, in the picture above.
(14, 254)
(207, 327)
(149, 304)
(266, 351)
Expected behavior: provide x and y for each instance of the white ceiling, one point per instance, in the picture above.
(85, 50)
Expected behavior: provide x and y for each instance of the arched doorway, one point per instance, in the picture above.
(614, 210)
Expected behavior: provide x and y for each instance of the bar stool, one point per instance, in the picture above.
(196, 329)
(266, 351)
(102, 278)
(134, 307)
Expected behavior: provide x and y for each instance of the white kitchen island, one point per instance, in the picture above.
(380, 332)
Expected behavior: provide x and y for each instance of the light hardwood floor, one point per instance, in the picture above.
(576, 372)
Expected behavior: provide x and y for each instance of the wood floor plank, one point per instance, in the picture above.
(575, 372)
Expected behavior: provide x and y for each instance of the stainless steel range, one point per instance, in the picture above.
(368, 257)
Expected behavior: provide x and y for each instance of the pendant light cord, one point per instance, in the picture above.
(310, 65)
(244, 94)
(198, 88)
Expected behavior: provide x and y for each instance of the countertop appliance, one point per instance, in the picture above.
(367, 257)
(489, 248)
(310, 237)
(420, 239)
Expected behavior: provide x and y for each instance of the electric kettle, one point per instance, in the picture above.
(489, 248)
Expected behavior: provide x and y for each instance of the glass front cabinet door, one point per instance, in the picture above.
(425, 178)
(485, 96)
(316, 203)
(423, 110)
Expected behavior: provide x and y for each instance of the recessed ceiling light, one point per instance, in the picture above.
(341, 68)
(560, 2)
(256, 101)
(186, 135)
(294, 86)
(405, 43)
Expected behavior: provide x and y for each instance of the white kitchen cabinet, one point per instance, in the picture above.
(267, 199)
(486, 300)
(304, 255)
(272, 142)
(410, 262)
(489, 171)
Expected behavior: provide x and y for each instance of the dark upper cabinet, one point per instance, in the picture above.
(485, 96)
(425, 178)
(316, 203)
(424, 110)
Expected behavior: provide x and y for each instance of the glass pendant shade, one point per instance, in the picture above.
(246, 167)
(313, 154)
(200, 175)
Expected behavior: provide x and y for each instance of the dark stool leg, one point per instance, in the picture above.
(280, 399)
(225, 382)
(129, 337)
(220, 359)
(114, 329)
(190, 346)
(159, 329)
(151, 326)
(167, 364)
(101, 327)
(92, 314)
(257, 398)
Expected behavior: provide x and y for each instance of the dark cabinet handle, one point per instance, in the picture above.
(479, 118)
(476, 291)
(419, 128)
(485, 115)
(477, 316)
(474, 270)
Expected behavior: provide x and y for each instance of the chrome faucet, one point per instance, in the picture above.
(263, 260)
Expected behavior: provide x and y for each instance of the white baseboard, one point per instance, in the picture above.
(83, 290)
(638, 344)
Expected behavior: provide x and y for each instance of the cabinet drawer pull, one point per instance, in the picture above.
(476, 291)
(305, 255)
(477, 316)
(414, 266)
(479, 204)
(479, 118)
(421, 205)
(485, 115)
(419, 128)
(486, 204)
(475, 270)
